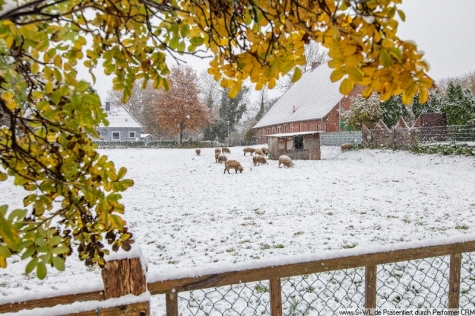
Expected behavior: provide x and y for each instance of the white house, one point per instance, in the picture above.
(122, 125)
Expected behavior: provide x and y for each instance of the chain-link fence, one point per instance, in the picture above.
(337, 139)
(416, 284)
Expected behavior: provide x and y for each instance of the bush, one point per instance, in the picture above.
(445, 149)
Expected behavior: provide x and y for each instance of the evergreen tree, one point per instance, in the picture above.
(458, 105)
(433, 104)
(363, 111)
(393, 109)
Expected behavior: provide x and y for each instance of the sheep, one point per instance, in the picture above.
(198, 152)
(265, 150)
(258, 152)
(248, 150)
(286, 161)
(221, 158)
(346, 146)
(226, 150)
(259, 159)
(217, 150)
(233, 164)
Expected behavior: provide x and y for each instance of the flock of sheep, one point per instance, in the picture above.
(258, 157)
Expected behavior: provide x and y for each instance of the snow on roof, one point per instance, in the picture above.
(311, 97)
(118, 116)
(295, 134)
(145, 135)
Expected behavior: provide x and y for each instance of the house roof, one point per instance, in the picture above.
(312, 97)
(118, 116)
(295, 134)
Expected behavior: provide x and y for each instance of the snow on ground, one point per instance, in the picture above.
(186, 213)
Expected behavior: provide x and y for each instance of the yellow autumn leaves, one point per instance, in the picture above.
(264, 40)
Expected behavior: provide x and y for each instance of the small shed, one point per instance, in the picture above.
(298, 146)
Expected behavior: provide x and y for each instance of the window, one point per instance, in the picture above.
(298, 142)
(131, 134)
(278, 129)
(116, 135)
(292, 128)
(285, 128)
(273, 129)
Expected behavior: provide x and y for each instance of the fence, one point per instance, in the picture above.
(400, 138)
(397, 276)
(337, 139)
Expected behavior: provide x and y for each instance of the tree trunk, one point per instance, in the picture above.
(181, 135)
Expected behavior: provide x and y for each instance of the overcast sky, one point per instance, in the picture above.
(443, 29)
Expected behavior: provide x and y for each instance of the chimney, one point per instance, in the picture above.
(293, 109)
(108, 106)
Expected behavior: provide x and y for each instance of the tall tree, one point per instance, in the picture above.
(43, 41)
(141, 106)
(363, 111)
(179, 108)
(393, 109)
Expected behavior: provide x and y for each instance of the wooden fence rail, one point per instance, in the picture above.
(171, 288)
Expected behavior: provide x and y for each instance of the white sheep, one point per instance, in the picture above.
(286, 161)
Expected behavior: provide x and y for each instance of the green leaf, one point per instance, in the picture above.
(7, 232)
(55, 241)
(297, 74)
(173, 44)
(385, 58)
(31, 265)
(18, 214)
(41, 270)
(184, 30)
(58, 263)
(122, 172)
(3, 176)
(60, 250)
(196, 41)
(92, 99)
(402, 15)
(5, 252)
(28, 253)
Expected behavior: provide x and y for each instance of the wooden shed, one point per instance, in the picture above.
(298, 146)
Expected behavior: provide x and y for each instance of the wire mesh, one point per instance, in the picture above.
(421, 284)
(237, 299)
(414, 284)
(467, 281)
(323, 293)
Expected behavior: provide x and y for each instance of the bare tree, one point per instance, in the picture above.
(315, 55)
(141, 106)
(210, 92)
(180, 108)
(466, 81)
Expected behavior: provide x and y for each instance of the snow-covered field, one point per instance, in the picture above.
(186, 213)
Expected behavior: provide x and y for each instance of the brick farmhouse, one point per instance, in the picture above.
(313, 103)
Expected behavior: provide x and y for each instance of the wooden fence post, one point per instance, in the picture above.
(370, 287)
(171, 300)
(122, 277)
(454, 280)
(275, 297)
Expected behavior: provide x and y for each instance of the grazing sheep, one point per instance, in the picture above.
(233, 164)
(217, 150)
(248, 150)
(286, 161)
(221, 158)
(259, 159)
(265, 150)
(258, 152)
(346, 146)
(198, 152)
(226, 150)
